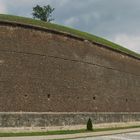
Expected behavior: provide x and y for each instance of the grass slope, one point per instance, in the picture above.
(84, 35)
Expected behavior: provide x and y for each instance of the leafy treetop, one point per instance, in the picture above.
(43, 13)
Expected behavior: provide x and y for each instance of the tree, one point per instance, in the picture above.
(89, 125)
(43, 13)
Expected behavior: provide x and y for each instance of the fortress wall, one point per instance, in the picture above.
(45, 72)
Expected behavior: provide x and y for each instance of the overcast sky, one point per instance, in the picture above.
(115, 20)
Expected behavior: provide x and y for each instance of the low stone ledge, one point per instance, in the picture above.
(64, 120)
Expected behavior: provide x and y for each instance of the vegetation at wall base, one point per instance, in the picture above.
(56, 27)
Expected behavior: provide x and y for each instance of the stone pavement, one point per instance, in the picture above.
(80, 135)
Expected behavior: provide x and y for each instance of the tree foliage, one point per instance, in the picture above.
(43, 13)
(89, 125)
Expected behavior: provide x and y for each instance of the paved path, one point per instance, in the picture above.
(93, 136)
(126, 136)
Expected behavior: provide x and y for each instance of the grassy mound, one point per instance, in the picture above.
(84, 35)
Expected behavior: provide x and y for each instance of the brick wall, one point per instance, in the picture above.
(42, 71)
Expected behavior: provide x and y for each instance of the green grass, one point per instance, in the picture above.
(42, 133)
(84, 35)
(63, 132)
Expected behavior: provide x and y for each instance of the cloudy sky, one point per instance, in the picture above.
(115, 20)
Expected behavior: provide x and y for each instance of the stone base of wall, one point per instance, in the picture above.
(57, 121)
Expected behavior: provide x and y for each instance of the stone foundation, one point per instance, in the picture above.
(62, 120)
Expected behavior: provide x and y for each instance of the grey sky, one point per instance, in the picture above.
(115, 20)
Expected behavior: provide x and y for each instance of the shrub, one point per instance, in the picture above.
(89, 125)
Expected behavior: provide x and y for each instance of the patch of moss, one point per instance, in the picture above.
(61, 28)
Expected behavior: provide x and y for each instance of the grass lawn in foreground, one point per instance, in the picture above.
(63, 132)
